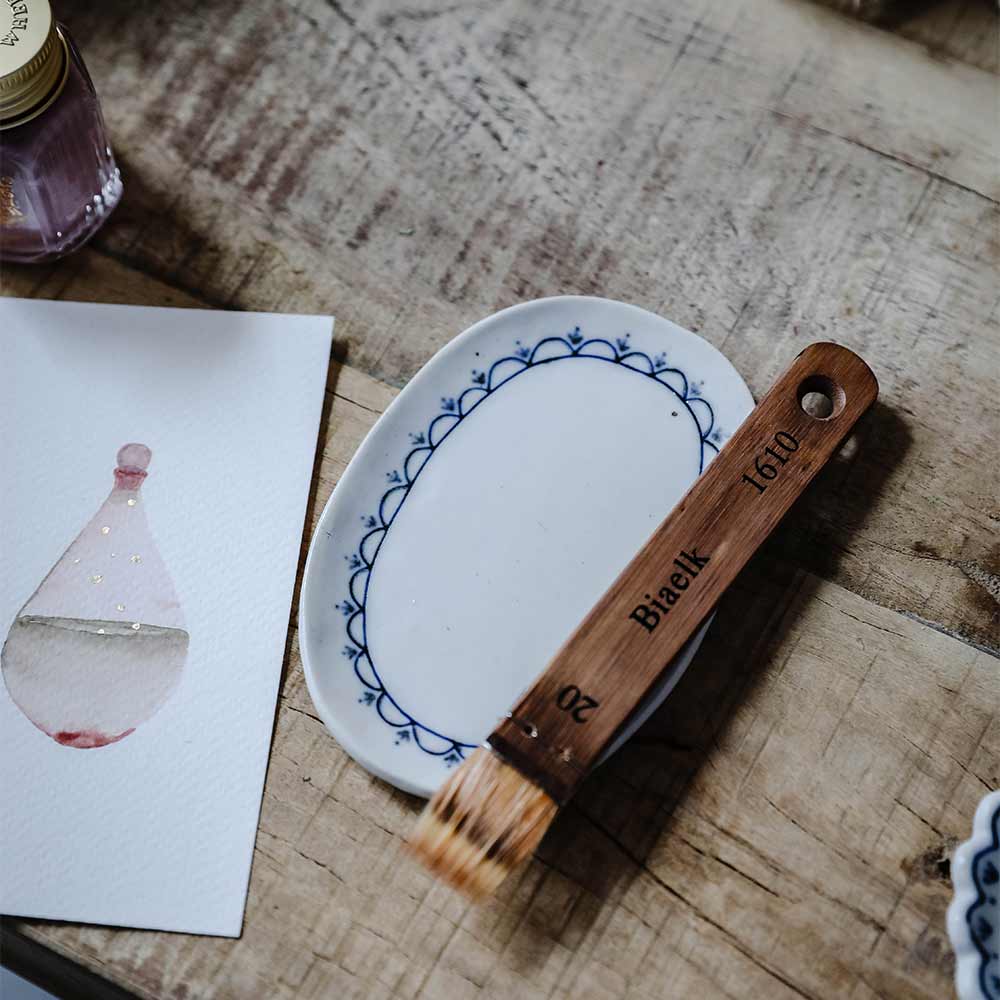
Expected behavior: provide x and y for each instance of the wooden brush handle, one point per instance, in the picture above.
(606, 669)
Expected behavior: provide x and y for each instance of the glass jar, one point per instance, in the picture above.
(58, 179)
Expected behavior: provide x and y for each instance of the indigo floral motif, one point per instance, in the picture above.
(454, 409)
(986, 878)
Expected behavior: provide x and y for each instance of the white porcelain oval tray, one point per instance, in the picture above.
(491, 505)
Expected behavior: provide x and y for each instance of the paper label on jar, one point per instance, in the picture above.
(11, 213)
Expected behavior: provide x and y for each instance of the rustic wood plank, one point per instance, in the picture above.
(780, 828)
(90, 276)
(765, 172)
(966, 30)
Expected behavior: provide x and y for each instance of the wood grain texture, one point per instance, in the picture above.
(614, 659)
(766, 172)
(962, 30)
(965, 30)
(780, 828)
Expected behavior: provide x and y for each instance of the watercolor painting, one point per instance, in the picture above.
(100, 645)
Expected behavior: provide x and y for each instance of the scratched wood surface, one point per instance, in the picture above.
(766, 172)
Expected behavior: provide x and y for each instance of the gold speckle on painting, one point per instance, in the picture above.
(105, 530)
(96, 578)
(131, 501)
(136, 558)
(136, 626)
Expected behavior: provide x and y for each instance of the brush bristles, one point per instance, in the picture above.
(483, 822)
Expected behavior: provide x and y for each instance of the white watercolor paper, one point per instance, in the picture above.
(155, 474)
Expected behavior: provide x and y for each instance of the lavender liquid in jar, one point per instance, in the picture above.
(58, 179)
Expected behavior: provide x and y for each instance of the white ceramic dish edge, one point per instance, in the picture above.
(968, 958)
(356, 748)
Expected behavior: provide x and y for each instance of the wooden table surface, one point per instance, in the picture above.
(765, 172)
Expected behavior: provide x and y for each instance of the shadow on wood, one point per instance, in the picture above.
(326, 429)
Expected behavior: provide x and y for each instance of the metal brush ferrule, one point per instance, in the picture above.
(552, 768)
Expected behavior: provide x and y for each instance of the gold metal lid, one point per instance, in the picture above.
(33, 60)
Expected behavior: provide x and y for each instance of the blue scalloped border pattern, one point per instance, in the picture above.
(455, 409)
(985, 872)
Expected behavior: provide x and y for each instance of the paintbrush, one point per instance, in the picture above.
(493, 811)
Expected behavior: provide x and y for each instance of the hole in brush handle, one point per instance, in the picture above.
(821, 397)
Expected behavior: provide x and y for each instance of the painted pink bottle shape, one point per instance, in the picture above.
(100, 645)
